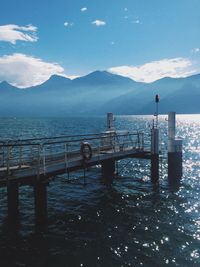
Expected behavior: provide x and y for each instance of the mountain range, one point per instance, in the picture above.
(100, 92)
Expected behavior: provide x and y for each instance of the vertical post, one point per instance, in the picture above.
(174, 152)
(13, 202)
(38, 161)
(8, 161)
(20, 157)
(108, 169)
(110, 121)
(155, 146)
(44, 160)
(40, 195)
(171, 125)
(154, 155)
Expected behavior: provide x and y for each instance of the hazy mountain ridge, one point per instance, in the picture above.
(100, 92)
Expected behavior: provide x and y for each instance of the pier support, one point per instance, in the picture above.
(13, 202)
(154, 155)
(108, 169)
(174, 152)
(110, 121)
(41, 215)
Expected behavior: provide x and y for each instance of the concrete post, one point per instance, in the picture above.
(110, 121)
(41, 215)
(154, 155)
(174, 152)
(171, 125)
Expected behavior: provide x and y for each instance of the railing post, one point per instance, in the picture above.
(8, 161)
(20, 156)
(66, 157)
(38, 163)
(3, 157)
(138, 140)
(44, 160)
(142, 141)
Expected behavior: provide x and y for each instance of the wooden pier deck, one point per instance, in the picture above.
(26, 161)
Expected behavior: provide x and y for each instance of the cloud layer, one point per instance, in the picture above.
(149, 72)
(12, 33)
(24, 71)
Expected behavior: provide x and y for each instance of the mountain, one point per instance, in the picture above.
(100, 92)
(6, 88)
(60, 96)
(102, 78)
(174, 93)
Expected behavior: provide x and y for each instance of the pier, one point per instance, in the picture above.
(34, 162)
(27, 161)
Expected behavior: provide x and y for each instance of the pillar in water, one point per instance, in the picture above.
(108, 169)
(154, 155)
(40, 195)
(174, 152)
(13, 203)
(110, 120)
(175, 160)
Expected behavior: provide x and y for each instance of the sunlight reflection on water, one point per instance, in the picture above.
(129, 224)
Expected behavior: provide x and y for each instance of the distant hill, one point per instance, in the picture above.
(100, 92)
(179, 94)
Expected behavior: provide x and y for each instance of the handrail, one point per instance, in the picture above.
(14, 143)
(53, 137)
(16, 155)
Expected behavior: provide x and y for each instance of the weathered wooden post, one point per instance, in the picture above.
(174, 152)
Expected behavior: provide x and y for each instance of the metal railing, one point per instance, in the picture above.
(38, 153)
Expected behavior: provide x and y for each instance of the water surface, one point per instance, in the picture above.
(130, 223)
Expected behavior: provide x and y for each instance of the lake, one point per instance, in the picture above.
(130, 223)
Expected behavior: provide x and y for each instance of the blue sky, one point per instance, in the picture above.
(141, 39)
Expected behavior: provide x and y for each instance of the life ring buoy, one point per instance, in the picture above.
(86, 151)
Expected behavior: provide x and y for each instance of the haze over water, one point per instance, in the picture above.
(128, 224)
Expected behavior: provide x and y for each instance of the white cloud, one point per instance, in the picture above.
(72, 77)
(196, 50)
(67, 24)
(12, 33)
(149, 72)
(84, 9)
(24, 71)
(99, 23)
(137, 21)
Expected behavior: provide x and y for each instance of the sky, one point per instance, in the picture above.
(142, 39)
